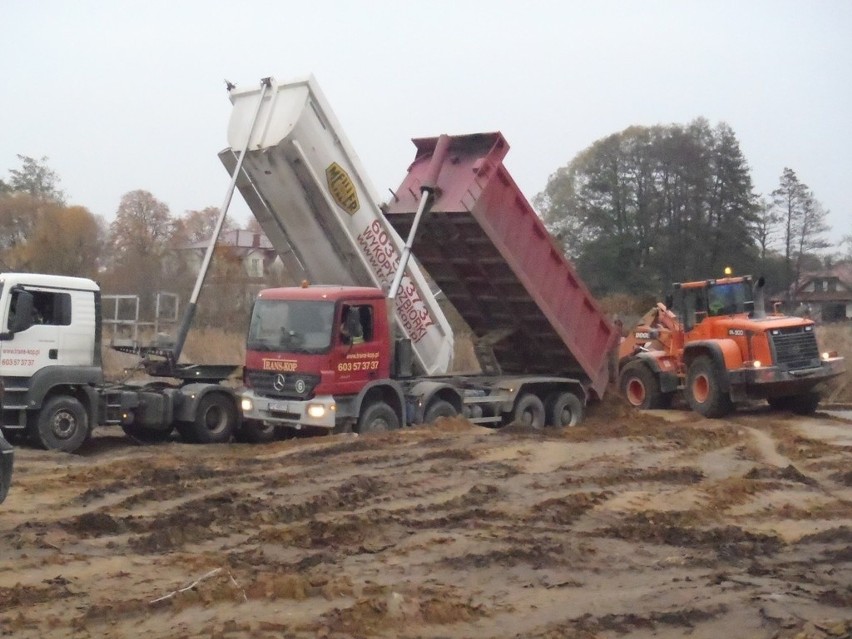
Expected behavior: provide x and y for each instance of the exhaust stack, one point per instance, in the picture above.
(759, 301)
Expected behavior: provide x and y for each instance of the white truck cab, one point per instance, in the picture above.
(50, 361)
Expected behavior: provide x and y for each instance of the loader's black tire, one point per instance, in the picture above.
(804, 404)
(146, 434)
(377, 417)
(704, 390)
(529, 411)
(439, 408)
(563, 409)
(641, 388)
(61, 424)
(255, 432)
(215, 421)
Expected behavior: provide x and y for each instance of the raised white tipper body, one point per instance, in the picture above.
(310, 194)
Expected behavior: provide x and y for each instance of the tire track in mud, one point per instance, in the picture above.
(611, 528)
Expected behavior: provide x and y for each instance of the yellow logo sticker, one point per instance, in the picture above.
(279, 365)
(342, 188)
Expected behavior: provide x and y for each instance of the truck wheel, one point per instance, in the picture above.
(704, 389)
(6, 463)
(529, 411)
(254, 431)
(805, 404)
(61, 424)
(564, 409)
(215, 421)
(146, 434)
(439, 408)
(641, 388)
(376, 418)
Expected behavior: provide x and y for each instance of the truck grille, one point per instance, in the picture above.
(795, 347)
(284, 385)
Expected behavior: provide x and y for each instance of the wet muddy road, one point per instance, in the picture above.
(659, 524)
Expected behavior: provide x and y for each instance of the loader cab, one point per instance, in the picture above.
(694, 302)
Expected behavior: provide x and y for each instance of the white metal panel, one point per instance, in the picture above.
(307, 188)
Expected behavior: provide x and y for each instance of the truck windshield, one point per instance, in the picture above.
(729, 299)
(293, 326)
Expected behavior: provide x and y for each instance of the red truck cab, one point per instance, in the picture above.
(313, 352)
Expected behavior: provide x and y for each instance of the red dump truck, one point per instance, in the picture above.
(364, 344)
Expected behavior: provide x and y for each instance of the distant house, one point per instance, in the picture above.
(254, 250)
(825, 295)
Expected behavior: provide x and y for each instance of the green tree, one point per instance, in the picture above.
(627, 208)
(37, 179)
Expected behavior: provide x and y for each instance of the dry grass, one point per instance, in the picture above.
(203, 346)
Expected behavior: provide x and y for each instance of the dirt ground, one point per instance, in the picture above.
(660, 524)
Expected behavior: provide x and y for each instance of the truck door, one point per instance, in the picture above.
(36, 347)
(358, 350)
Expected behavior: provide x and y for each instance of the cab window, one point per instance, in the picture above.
(356, 324)
(49, 308)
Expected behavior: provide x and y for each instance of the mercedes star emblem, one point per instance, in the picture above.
(279, 383)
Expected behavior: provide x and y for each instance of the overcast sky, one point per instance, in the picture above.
(130, 95)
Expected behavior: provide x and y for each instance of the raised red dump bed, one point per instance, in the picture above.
(486, 248)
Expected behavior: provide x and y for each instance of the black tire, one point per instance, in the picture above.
(377, 417)
(704, 389)
(6, 464)
(779, 403)
(641, 388)
(805, 404)
(61, 424)
(439, 408)
(256, 432)
(564, 409)
(146, 434)
(529, 411)
(215, 421)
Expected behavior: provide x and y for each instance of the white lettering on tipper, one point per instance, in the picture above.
(383, 258)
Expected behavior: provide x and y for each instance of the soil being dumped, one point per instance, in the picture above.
(655, 524)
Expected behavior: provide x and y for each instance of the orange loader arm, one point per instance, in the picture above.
(656, 331)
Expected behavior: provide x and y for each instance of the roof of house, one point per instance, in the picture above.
(238, 238)
(839, 273)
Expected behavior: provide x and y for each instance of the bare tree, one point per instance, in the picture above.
(765, 227)
(803, 223)
(198, 226)
(138, 240)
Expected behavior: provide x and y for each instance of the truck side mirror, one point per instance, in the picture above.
(21, 314)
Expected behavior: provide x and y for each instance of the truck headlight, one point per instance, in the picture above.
(246, 404)
(316, 410)
(757, 363)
